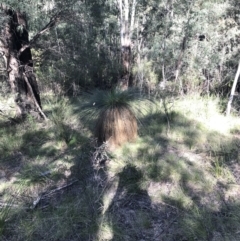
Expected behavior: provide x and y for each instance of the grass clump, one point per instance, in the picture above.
(5, 211)
(65, 122)
(115, 112)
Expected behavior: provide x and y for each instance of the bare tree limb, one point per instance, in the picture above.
(42, 196)
(54, 20)
(233, 90)
(34, 98)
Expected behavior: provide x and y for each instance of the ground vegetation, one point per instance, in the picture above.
(113, 120)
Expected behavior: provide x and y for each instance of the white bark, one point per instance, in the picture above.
(132, 18)
(127, 21)
(233, 90)
(126, 18)
(121, 21)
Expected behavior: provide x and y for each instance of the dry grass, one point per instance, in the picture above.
(116, 126)
(175, 182)
(114, 114)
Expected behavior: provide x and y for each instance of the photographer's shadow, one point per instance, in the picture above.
(130, 212)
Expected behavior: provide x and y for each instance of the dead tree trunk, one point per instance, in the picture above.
(19, 64)
(233, 90)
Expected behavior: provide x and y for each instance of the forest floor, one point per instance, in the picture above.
(180, 181)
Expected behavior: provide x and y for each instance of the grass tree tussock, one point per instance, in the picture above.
(116, 125)
(115, 114)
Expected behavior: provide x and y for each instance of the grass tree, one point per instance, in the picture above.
(115, 114)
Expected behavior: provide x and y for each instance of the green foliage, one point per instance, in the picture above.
(10, 141)
(32, 175)
(179, 180)
(102, 100)
(82, 51)
(144, 72)
(65, 123)
(5, 212)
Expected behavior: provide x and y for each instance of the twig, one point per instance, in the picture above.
(11, 205)
(168, 205)
(53, 21)
(167, 115)
(60, 188)
(42, 196)
(8, 205)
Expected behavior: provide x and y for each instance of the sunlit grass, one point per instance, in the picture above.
(105, 231)
(169, 155)
(10, 141)
(206, 110)
(181, 163)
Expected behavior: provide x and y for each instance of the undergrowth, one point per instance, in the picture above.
(178, 181)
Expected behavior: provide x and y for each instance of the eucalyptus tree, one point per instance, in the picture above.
(190, 42)
(127, 10)
(82, 51)
(78, 44)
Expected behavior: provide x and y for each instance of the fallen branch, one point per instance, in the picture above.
(42, 196)
(34, 98)
(60, 188)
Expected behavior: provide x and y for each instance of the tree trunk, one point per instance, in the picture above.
(183, 47)
(126, 30)
(233, 91)
(19, 64)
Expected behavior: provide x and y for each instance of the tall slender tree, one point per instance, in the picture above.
(233, 90)
(127, 19)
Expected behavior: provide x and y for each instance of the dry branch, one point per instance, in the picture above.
(34, 98)
(42, 196)
(233, 90)
(54, 20)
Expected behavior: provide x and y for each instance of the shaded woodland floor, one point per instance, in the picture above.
(179, 181)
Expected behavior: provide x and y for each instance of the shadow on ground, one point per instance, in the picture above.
(131, 213)
(168, 189)
(191, 170)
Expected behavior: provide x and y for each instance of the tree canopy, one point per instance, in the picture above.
(84, 44)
